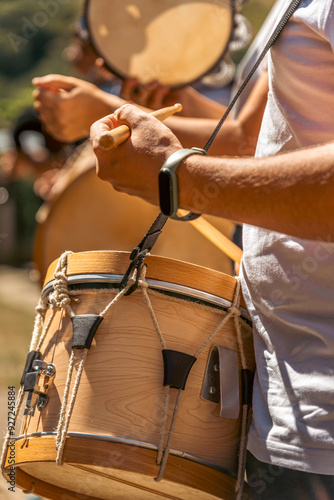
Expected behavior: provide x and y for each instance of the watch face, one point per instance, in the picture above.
(165, 192)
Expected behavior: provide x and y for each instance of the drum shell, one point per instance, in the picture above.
(121, 393)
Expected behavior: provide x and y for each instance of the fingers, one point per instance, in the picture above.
(121, 116)
(127, 87)
(45, 98)
(126, 114)
(57, 82)
(150, 95)
(45, 104)
(47, 94)
(100, 127)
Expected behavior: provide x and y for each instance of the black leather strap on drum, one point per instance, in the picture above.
(247, 379)
(31, 357)
(177, 366)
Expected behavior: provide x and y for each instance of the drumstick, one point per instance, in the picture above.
(216, 237)
(109, 140)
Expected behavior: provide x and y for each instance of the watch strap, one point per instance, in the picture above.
(168, 184)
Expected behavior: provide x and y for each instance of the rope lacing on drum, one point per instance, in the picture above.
(58, 299)
(246, 406)
(77, 359)
(233, 312)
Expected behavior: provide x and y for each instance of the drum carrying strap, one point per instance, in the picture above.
(139, 252)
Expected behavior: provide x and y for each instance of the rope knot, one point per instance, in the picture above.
(234, 311)
(142, 280)
(60, 297)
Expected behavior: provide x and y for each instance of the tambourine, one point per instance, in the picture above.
(170, 41)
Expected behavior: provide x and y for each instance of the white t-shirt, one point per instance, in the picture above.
(252, 54)
(288, 283)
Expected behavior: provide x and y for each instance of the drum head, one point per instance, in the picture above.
(169, 41)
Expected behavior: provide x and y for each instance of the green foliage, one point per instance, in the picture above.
(33, 35)
(255, 12)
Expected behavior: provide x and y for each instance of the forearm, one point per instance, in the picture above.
(230, 141)
(237, 137)
(290, 193)
(197, 105)
(195, 132)
(108, 103)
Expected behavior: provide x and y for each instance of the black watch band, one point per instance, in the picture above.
(168, 184)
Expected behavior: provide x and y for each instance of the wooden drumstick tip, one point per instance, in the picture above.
(106, 141)
(109, 140)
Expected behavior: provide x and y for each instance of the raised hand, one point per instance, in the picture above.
(68, 106)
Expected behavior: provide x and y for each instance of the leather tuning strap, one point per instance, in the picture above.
(144, 247)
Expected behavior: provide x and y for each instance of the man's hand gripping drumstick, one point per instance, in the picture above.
(109, 140)
(136, 181)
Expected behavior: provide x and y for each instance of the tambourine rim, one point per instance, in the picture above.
(122, 76)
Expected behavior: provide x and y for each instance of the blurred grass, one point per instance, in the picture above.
(18, 298)
(15, 332)
(256, 11)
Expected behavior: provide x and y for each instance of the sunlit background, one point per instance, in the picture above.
(35, 37)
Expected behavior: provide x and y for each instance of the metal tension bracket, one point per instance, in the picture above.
(37, 379)
(221, 381)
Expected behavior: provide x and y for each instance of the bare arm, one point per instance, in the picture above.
(155, 96)
(290, 193)
(237, 137)
(68, 115)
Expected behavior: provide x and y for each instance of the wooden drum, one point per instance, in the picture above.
(171, 41)
(110, 421)
(86, 213)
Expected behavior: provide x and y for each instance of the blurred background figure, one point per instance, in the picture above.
(28, 170)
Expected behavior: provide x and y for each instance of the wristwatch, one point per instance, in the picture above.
(168, 184)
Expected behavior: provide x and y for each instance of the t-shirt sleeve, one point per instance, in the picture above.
(329, 24)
